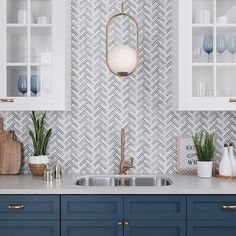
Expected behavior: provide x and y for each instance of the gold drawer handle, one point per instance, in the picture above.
(233, 207)
(232, 100)
(126, 223)
(6, 100)
(16, 206)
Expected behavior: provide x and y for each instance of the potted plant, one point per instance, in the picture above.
(205, 148)
(40, 138)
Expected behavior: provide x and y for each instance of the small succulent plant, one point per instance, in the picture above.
(204, 144)
(40, 136)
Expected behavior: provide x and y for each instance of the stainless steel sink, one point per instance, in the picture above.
(125, 181)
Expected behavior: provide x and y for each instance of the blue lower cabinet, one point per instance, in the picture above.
(92, 207)
(211, 228)
(211, 207)
(154, 207)
(155, 228)
(91, 228)
(29, 228)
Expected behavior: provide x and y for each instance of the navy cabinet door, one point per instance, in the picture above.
(154, 207)
(211, 207)
(91, 228)
(155, 228)
(34, 207)
(92, 207)
(211, 228)
(29, 228)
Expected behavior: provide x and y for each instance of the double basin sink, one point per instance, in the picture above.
(123, 181)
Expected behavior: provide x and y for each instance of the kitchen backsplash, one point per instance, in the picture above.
(86, 140)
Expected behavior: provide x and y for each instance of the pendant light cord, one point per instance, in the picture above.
(122, 6)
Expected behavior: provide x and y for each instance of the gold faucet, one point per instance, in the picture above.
(124, 166)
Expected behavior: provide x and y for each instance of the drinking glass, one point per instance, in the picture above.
(208, 45)
(197, 53)
(22, 84)
(231, 45)
(221, 45)
(202, 89)
(35, 84)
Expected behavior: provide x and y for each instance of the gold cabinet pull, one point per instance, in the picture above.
(120, 223)
(231, 207)
(126, 223)
(16, 206)
(6, 100)
(232, 100)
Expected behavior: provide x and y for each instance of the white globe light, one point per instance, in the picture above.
(122, 60)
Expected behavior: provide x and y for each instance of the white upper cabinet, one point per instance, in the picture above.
(33, 70)
(205, 54)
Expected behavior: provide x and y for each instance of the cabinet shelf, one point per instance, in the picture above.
(202, 25)
(203, 64)
(16, 25)
(16, 64)
(41, 25)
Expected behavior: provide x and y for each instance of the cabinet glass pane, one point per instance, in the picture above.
(41, 45)
(226, 44)
(225, 11)
(203, 44)
(41, 11)
(203, 82)
(203, 11)
(16, 11)
(16, 81)
(226, 81)
(41, 81)
(17, 45)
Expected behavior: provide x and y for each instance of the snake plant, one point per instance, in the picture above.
(40, 136)
(204, 144)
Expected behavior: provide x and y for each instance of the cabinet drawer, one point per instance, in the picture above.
(211, 207)
(156, 228)
(85, 207)
(154, 207)
(211, 228)
(29, 207)
(91, 228)
(29, 228)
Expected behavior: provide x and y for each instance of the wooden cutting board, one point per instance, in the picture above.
(10, 157)
(10, 152)
(5, 135)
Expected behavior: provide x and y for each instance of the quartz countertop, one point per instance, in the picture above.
(182, 184)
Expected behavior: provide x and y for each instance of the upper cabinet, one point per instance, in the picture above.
(205, 54)
(33, 58)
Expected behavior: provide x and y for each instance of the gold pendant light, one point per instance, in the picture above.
(122, 60)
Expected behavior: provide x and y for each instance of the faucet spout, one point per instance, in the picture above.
(124, 166)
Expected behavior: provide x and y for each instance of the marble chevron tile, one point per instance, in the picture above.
(86, 139)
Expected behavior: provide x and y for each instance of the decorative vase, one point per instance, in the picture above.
(204, 169)
(38, 164)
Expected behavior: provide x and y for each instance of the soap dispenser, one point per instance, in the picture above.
(232, 159)
(225, 163)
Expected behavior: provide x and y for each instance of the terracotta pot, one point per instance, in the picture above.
(38, 164)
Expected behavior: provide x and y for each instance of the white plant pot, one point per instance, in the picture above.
(38, 160)
(204, 169)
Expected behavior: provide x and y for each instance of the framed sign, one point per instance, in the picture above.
(186, 155)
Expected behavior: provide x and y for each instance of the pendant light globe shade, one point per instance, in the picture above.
(122, 60)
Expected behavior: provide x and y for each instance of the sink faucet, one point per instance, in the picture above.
(124, 165)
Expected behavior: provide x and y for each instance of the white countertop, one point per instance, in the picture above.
(183, 184)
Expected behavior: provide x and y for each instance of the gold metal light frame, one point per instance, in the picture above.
(122, 74)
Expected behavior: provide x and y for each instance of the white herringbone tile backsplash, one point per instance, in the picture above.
(86, 140)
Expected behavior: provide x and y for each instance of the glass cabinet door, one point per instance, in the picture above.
(29, 48)
(213, 48)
